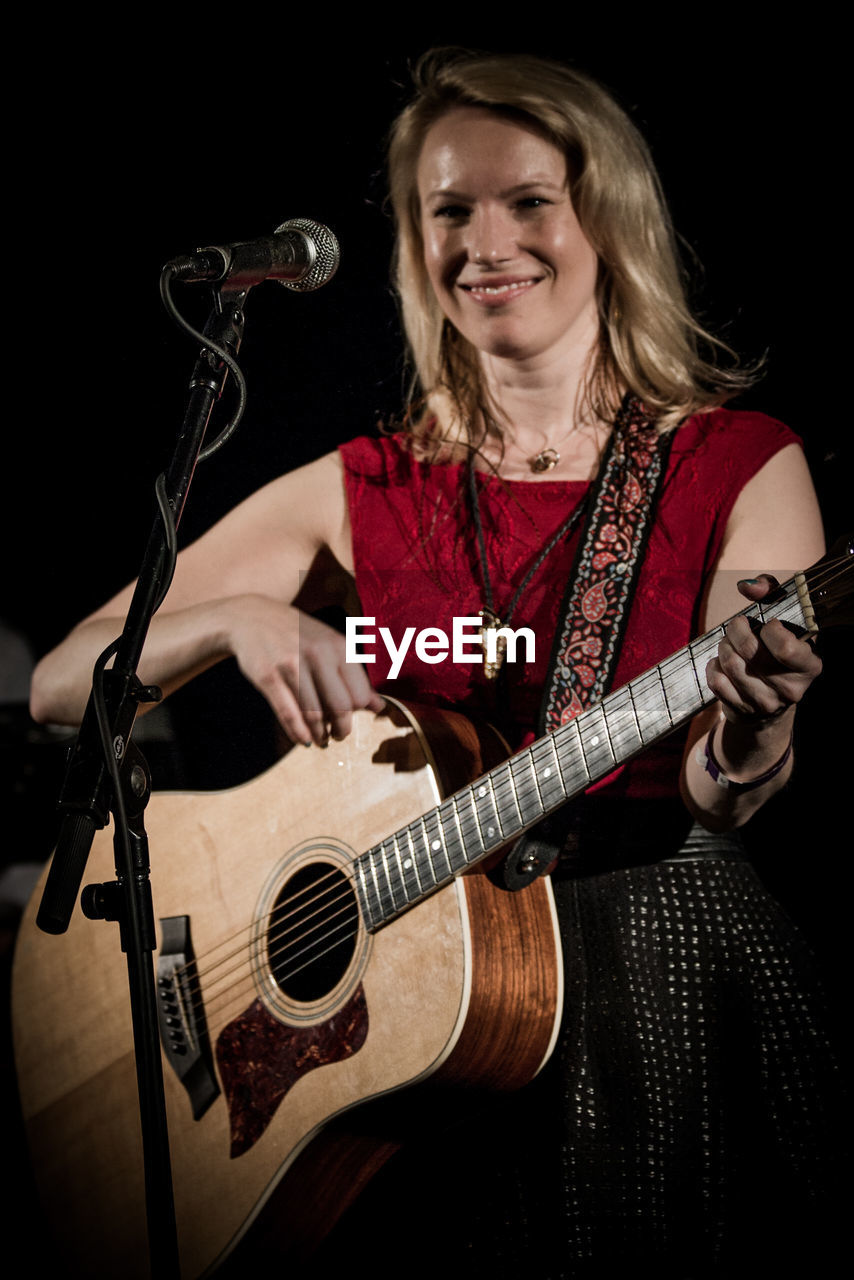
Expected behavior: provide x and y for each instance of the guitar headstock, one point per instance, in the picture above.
(830, 584)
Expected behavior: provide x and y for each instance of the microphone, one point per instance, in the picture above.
(302, 255)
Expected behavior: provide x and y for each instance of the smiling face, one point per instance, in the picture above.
(504, 251)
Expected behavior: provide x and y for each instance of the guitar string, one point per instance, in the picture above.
(344, 902)
(680, 663)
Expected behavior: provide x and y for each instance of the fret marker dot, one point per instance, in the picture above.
(481, 791)
(490, 831)
(547, 773)
(436, 844)
(407, 862)
(594, 741)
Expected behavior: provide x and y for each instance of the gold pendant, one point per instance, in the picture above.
(490, 623)
(544, 460)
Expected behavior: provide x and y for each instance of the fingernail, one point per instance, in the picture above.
(750, 582)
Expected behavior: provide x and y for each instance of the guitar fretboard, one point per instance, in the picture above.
(420, 858)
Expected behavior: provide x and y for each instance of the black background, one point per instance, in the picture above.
(133, 144)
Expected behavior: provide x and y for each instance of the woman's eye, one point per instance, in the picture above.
(451, 211)
(532, 202)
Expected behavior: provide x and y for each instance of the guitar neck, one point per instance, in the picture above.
(465, 828)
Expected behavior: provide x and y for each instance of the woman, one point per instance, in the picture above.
(541, 299)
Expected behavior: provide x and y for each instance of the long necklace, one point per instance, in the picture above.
(493, 642)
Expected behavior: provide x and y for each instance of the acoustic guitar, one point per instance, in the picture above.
(328, 936)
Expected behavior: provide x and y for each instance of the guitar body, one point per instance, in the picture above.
(462, 989)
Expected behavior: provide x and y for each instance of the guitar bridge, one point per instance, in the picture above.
(181, 1015)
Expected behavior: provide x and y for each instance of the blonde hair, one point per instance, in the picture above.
(650, 343)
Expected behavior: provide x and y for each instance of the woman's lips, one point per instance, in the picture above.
(497, 292)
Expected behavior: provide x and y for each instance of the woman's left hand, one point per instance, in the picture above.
(760, 671)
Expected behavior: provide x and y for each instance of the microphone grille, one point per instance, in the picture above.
(326, 251)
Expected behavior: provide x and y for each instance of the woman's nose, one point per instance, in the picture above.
(492, 236)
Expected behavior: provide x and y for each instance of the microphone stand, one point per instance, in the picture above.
(106, 773)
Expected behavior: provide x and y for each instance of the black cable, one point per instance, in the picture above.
(170, 532)
(166, 276)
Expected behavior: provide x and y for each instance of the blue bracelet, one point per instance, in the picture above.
(716, 773)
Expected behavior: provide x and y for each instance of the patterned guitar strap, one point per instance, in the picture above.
(596, 604)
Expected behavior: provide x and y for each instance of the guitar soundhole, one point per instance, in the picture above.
(312, 932)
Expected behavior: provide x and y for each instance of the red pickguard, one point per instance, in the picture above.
(260, 1060)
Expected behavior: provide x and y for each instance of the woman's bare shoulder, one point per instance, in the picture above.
(268, 542)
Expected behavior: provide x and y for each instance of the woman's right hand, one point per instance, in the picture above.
(295, 661)
(231, 597)
(298, 664)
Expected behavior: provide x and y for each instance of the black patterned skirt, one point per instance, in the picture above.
(689, 1119)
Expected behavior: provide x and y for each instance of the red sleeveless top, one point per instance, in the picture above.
(417, 565)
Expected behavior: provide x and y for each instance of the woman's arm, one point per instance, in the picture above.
(757, 677)
(232, 595)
